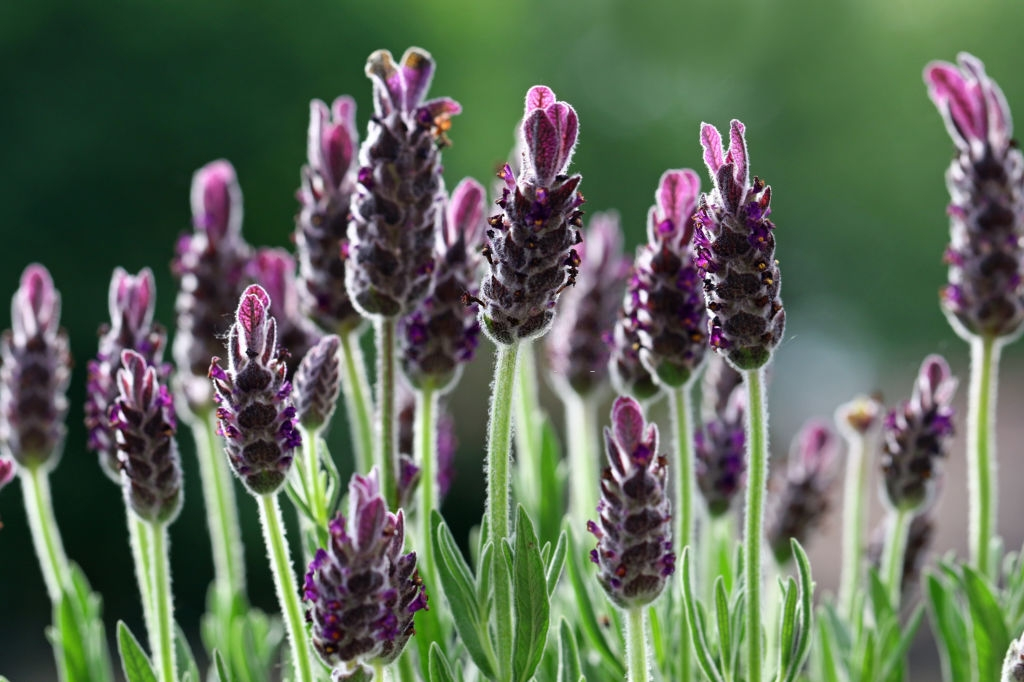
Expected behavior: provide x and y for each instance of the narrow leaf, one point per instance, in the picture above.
(440, 670)
(948, 625)
(587, 618)
(695, 622)
(554, 571)
(134, 662)
(530, 600)
(568, 654)
(223, 675)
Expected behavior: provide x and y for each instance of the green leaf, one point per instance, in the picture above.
(991, 635)
(504, 626)
(696, 624)
(557, 562)
(568, 654)
(529, 599)
(657, 635)
(223, 675)
(440, 670)
(787, 626)
(136, 666)
(881, 607)
(722, 620)
(587, 617)
(894, 657)
(183, 654)
(802, 644)
(831, 668)
(948, 624)
(68, 640)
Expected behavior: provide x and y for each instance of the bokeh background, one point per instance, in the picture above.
(106, 108)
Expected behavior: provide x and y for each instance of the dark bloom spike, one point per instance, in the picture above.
(672, 314)
(441, 333)
(35, 367)
(720, 442)
(399, 193)
(317, 384)
(328, 182)
(255, 411)
(578, 346)
(634, 537)
(916, 437)
(735, 245)
(985, 294)
(530, 243)
(210, 265)
(362, 590)
(131, 302)
(142, 416)
(799, 508)
(629, 376)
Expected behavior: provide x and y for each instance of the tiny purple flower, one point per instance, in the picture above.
(8, 469)
(720, 442)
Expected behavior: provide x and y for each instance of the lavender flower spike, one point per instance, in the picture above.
(672, 312)
(317, 384)
(985, 294)
(142, 416)
(439, 336)
(916, 436)
(801, 505)
(400, 192)
(530, 251)
(131, 302)
(362, 590)
(578, 347)
(629, 376)
(735, 247)
(328, 182)
(634, 543)
(35, 367)
(257, 418)
(720, 442)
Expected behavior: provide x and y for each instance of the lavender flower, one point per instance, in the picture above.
(142, 416)
(255, 412)
(859, 417)
(317, 384)
(35, 367)
(629, 376)
(441, 332)
(131, 301)
(735, 248)
(530, 250)
(985, 294)
(916, 437)
(399, 195)
(362, 590)
(634, 543)
(210, 265)
(7, 471)
(578, 347)
(328, 182)
(803, 501)
(672, 314)
(720, 442)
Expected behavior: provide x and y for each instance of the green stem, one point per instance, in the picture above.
(499, 434)
(42, 522)
(425, 438)
(378, 671)
(753, 525)
(315, 493)
(981, 450)
(358, 402)
(164, 603)
(141, 544)
(285, 585)
(683, 505)
(853, 521)
(636, 646)
(527, 399)
(581, 431)
(893, 553)
(387, 446)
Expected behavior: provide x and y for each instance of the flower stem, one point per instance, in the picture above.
(636, 646)
(682, 507)
(141, 544)
(358, 402)
(526, 437)
(853, 522)
(757, 477)
(981, 450)
(499, 435)
(286, 587)
(581, 430)
(387, 450)
(163, 603)
(378, 671)
(425, 438)
(315, 494)
(35, 486)
(893, 553)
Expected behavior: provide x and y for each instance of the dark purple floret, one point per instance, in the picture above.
(131, 302)
(735, 246)
(530, 242)
(325, 196)
(671, 312)
(317, 384)
(399, 195)
(142, 417)
(441, 333)
(720, 442)
(362, 590)
(35, 367)
(634, 536)
(254, 407)
(985, 294)
(210, 265)
(578, 348)
(798, 509)
(629, 376)
(8, 469)
(916, 437)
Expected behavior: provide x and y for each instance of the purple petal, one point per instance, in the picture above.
(417, 70)
(538, 97)
(737, 154)
(543, 145)
(216, 200)
(465, 212)
(711, 141)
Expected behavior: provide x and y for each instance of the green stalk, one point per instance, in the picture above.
(378, 671)
(141, 544)
(682, 507)
(853, 521)
(358, 402)
(636, 646)
(753, 525)
(163, 603)
(42, 522)
(425, 439)
(310, 470)
(499, 436)
(893, 553)
(285, 585)
(581, 431)
(527, 399)
(981, 449)
(387, 445)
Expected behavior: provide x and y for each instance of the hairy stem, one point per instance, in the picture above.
(358, 402)
(853, 521)
(527, 439)
(753, 524)
(981, 449)
(893, 553)
(682, 507)
(42, 522)
(310, 469)
(163, 603)
(581, 434)
(387, 445)
(425, 439)
(636, 646)
(499, 436)
(139, 536)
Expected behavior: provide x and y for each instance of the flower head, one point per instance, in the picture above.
(629, 376)
(735, 246)
(317, 384)
(720, 442)
(859, 418)
(362, 590)
(255, 412)
(634, 538)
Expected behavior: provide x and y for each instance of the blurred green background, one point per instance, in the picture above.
(108, 107)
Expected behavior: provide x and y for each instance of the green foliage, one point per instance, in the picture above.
(134, 663)
(78, 637)
(249, 637)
